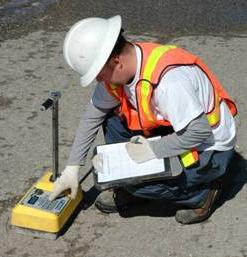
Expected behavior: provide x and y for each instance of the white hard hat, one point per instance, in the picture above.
(88, 45)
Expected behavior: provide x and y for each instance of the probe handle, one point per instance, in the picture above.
(47, 104)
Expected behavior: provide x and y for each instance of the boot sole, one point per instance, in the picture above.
(105, 208)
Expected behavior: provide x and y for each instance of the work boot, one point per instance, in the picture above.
(111, 201)
(190, 216)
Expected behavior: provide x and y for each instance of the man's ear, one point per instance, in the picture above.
(118, 61)
(115, 59)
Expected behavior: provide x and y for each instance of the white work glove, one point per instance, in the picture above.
(98, 162)
(68, 180)
(139, 149)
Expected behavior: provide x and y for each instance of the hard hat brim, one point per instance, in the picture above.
(111, 36)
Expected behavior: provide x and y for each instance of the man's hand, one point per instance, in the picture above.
(139, 149)
(68, 180)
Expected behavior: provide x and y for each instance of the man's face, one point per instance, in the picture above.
(112, 72)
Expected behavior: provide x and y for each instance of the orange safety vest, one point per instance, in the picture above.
(156, 61)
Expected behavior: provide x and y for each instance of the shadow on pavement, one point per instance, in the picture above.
(233, 181)
(90, 197)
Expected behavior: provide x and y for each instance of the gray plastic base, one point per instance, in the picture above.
(35, 233)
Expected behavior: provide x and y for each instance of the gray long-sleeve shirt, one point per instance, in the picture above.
(196, 132)
(89, 125)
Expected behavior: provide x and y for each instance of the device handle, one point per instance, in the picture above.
(46, 105)
(52, 101)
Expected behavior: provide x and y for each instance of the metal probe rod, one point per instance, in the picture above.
(52, 102)
(55, 140)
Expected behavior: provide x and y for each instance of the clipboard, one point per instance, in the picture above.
(172, 168)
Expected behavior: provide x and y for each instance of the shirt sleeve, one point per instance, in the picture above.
(177, 99)
(102, 99)
(90, 123)
(197, 132)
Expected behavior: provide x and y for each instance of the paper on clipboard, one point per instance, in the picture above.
(118, 165)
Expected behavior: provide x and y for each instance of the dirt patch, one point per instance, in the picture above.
(5, 102)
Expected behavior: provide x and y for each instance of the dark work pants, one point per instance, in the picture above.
(188, 189)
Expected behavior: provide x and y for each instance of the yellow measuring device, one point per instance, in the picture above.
(35, 214)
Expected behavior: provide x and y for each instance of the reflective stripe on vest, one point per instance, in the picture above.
(146, 88)
(213, 117)
(189, 158)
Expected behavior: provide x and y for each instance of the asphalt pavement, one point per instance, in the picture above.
(32, 65)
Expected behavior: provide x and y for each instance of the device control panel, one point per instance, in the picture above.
(39, 199)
